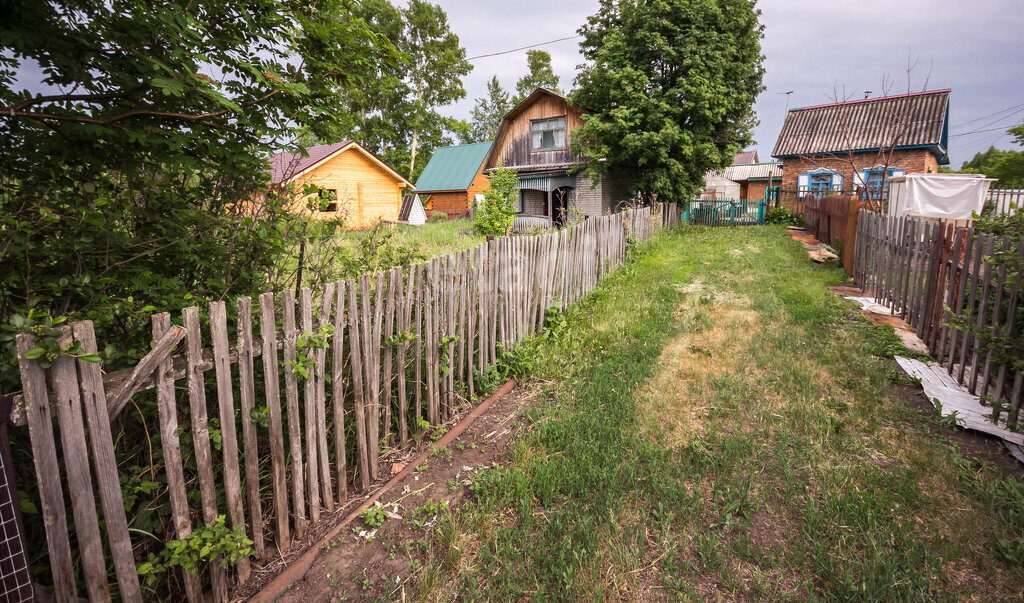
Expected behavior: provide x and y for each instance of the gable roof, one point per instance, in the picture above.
(868, 125)
(453, 168)
(515, 111)
(753, 171)
(745, 157)
(407, 203)
(285, 166)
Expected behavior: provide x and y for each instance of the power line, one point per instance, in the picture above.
(979, 131)
(494, 54)
(988, 116)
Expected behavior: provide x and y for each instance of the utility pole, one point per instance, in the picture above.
(787, 100)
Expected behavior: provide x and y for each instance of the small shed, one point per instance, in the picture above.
(454, 178)
(938, 196)
(412, 211)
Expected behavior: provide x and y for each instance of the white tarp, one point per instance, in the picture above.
(942, 196)
(717, 187)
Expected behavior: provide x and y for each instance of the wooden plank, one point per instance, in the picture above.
(338, 392)
(359, 394)
(997, 305)
(228, 430)
(309, 407)
(201, 437)
(420, 296)
(272, 392)
(1011, 319)
(143, 370)
(373, 376)
(403, 392)
(291, 395)
(958, 286)
(986, 284)
(394, 276)
(971, 308)
(44, 458)
(428, 334)
(326, 494)
(247, 400)
(171, 446)
(77, 473)
(94, 401)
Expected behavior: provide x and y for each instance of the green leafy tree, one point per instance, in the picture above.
(397, 113)
(437, 64)
(127, 182)
(488, 112)
(541, 75)
(669, 90)
(496, 213)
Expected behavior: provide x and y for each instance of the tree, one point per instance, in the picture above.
(541, 75)
(122, 185)
(495, 215)
(1007, 166)
(668, 87)
(397, 111)
(488, 112)
(437, 64)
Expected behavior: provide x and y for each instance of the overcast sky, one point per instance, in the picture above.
(812, 47)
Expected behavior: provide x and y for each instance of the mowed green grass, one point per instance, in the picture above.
(713, 422)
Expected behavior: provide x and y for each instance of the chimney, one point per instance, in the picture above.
(867, 94)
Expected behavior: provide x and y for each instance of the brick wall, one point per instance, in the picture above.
(914, 161)
(534, 202)
(589, 198)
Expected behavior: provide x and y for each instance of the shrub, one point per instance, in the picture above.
(494, 216)
(437, 216)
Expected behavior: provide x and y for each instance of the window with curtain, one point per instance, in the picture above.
(547, 134)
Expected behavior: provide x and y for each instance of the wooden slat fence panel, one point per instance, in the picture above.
(933, 275)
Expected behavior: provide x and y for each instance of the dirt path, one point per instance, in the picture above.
(379, 563)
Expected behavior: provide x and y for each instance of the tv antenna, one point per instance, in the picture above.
(787, 99)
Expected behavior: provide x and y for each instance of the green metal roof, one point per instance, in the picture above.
(453, 168)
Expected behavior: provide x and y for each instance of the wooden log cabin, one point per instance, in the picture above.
(454, 179)
(534, 140)
(365, 189)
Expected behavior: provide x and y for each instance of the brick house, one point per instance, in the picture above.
(857, 146)
(454, 178)
(534, 140)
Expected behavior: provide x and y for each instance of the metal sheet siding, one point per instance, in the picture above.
(864, 125)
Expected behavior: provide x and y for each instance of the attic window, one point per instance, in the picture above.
(547, 134)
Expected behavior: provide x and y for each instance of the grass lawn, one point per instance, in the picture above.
(713, 422)
(431, 239)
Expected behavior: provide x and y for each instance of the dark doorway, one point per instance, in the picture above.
(560, 200)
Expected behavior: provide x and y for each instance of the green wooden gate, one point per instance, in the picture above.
(727, 212)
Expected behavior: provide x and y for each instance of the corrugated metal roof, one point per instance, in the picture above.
(453, 168)
(909, 120)
(284, 166)
(753, 170)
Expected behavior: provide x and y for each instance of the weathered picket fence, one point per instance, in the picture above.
(930, 273)
(398, 346)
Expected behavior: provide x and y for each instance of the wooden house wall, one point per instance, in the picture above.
(512, 149)
(366, 193)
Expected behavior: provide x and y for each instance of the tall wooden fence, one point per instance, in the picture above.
(338, 375)
(930, 274)
(833, 220)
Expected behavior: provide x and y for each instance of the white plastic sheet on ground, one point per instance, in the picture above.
(942, 196)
